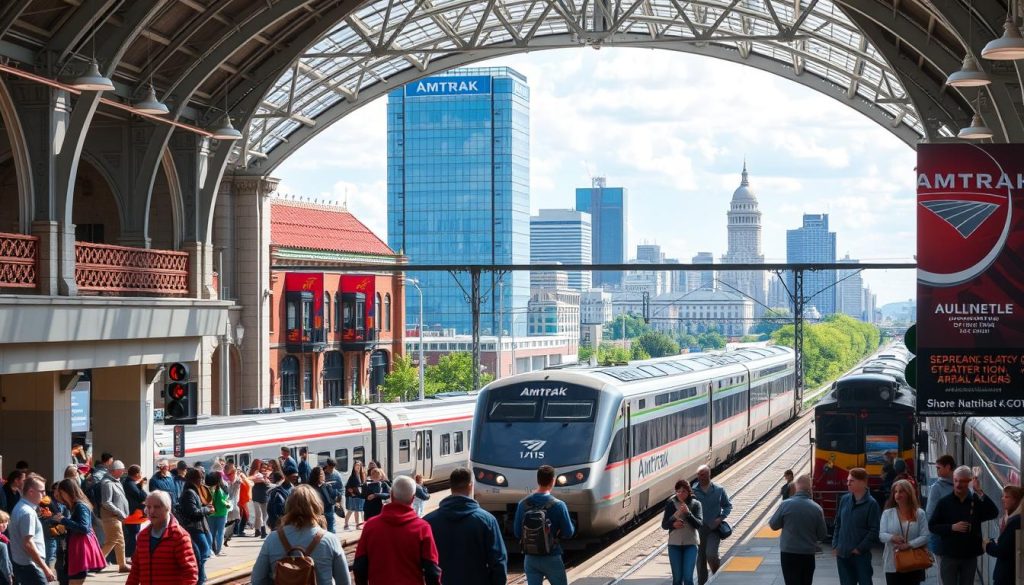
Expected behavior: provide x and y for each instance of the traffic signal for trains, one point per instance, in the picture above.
(181, 398)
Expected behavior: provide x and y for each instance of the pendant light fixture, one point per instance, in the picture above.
(970, 74)
(977, 130)
(92, 79)
(1008, 47)
(150, 104)
(226, 131)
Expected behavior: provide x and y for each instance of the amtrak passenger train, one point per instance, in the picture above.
(619, 437)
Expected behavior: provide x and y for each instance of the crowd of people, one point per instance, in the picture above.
(947, 533)
(163, 530)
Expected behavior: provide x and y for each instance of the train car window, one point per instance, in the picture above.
(458, 442)
(403, 451)
(244, 459)
(641, 404)
(359, 454)
(446, 444)
(341, 458)
(513, 410)
(568, 411)
(322, 457)
(838, 432)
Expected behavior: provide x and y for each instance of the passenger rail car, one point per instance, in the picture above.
(619, 437)
(866, 415)
(430, 437)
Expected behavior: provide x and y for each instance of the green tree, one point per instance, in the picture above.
(657, 344)
(453, 373)
(637, 352)
(584, 354)
(634, 327)
(686, 340)
(711, 339)
(402, 383)
(609, 353)
(832, 346)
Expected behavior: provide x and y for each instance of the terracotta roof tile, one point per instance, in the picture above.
(295, 224)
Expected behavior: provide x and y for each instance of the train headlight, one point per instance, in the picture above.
(488, 477)
(500, 479)
(574, 477)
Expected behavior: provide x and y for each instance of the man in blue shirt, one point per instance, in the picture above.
(25, 532)
(856, 530)
(537, 567)
(716, 506)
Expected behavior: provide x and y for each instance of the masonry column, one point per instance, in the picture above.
(122, 414)
(252, 268)
(35, 422)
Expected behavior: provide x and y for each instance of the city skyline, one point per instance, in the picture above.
(611, 116)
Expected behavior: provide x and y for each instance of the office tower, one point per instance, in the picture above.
(745, 245)
(707, 277)
(649, 254)
(814, 243)
(458, 191)
(609, 214)
(562, 236)
(850, 291)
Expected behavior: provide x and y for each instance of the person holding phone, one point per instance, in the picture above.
(957, 520)
(683, 519)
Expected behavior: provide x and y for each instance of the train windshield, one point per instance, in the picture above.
(533, 423)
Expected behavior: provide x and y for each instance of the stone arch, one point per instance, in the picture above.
(96, 205)
(165, 200)
(16, 152)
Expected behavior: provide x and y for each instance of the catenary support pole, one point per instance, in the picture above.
(474, 301)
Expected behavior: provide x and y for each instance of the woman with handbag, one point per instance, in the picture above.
(904, 532)
(682, 518)
(83, 550)
(1004, 549)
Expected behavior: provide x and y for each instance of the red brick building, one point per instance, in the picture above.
(333, 335)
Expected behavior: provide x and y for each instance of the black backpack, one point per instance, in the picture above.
(94, 491)
(537, 536)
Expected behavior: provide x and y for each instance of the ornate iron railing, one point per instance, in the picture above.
(19, 261)
(102, 268)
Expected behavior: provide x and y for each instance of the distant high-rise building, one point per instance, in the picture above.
(745, 245)
(814, 243)
(459, 190)
(609, 213)
(870, 301)
(850, 291)
(562, 236)
(649, 254)
(707, 277)
(595, 307)
(778, 296)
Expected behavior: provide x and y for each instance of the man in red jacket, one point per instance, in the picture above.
(397, 546)
(163, 551)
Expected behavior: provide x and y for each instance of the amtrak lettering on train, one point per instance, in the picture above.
(620, 436)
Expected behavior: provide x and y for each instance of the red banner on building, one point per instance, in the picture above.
(970, 255)
(364, 284)
(311, 283)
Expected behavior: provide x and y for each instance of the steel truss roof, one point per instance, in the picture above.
(287, 69)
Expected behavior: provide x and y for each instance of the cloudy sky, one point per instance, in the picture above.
(674, 130)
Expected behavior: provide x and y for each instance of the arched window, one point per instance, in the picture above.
(387, 312)
(378, 371)
(289, 383)
(377, 313)
(334, 393)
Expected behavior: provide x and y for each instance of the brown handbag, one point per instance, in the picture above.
(912, 559)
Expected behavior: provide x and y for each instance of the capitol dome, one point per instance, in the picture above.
(744, 193)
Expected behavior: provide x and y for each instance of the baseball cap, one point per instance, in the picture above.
(118, 464)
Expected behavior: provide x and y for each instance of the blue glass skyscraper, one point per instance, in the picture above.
(814, 243)
(609, 216)
(459, 191)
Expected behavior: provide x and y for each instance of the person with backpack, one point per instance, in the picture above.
(397, 547)
(468, 538)
(301, 551)
(278, 497)
(192, 511)
(541, 521)
(715, 504)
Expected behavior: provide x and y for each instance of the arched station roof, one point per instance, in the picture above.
(287, 69)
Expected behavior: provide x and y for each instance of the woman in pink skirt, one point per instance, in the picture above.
(83, 549)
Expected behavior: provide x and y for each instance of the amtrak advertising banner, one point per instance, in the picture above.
(970, 279)
(449, 85)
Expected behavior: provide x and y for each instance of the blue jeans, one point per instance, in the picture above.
(683, 559)
(131, 534)
(217, 532)
(329, 516)
(28, 574)
(202, 550)
(855, 569)
(537, 567)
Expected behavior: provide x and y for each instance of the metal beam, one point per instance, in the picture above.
(607, 266)
(11, 13)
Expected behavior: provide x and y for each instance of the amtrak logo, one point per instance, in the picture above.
(533, 449)
(964, 212)
(534, 444)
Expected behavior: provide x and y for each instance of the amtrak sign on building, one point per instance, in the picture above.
(970, 255)
(449, 85)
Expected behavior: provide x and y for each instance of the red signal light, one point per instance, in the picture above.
(177, 391)
(178, 372)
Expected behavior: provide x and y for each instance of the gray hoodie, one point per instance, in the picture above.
(802, 523)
